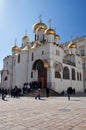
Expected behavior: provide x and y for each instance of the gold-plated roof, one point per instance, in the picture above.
(39, 25)
(15, 48)
(72, 45)
(25, 38)
(57, 37)
(49, 31)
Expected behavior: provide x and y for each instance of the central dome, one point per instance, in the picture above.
(39, 25)
(49, 31)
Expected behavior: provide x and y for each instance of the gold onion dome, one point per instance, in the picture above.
(25, 38)
(49, 31)
(57, 37)
(39, 26)
(15, 48)
(72, 45)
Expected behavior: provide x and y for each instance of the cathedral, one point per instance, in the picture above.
(43, 60)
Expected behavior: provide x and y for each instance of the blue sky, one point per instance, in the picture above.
(68, 17)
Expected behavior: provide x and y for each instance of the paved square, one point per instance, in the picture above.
(53, 113)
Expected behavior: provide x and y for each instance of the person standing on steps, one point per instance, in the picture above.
(47, 92)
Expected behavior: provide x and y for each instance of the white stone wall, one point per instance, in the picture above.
(20, 74)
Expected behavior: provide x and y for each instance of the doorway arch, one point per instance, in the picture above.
(41, 66)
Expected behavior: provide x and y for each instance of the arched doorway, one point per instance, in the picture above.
(41, 66)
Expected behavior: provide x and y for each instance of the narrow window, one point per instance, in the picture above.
(32, 56)
(35, 36)
(73, 74)
(31, 74)
(19, 58)
(42, 52)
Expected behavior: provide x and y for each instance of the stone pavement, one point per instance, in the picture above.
(53, 113)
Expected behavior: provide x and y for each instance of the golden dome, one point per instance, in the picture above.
(72, 45)
(49, 31)
(57, 37)
(15, 48)
(39, 25)
(25, 38)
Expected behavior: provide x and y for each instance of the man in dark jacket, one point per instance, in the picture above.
(69, 91)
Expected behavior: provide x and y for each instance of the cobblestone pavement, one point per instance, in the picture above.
(53, 113)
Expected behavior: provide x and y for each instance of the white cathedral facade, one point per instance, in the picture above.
(43, 60)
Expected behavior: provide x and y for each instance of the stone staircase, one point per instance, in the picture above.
(43, 93)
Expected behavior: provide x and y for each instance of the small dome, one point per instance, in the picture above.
(15, 48)
(49, 31)
(25, 38)
(72, 45)
(57, 37)
(39, 25)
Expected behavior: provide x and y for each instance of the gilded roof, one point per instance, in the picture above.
(15, 48)
(49, 31)
(39, 25)
(72, 45)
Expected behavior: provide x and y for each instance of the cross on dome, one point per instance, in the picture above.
(49, 23)
(25, 32)
(15, 41)
(71, 37)
(40, 17)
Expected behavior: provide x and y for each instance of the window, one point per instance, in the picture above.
(77, 75)
(5, 78)
(73, 74)
(57, 75)
(35, 36)
(31, 74)
(19, 58)
(65, 73)
(82, 52)
(83, 64)
(42, 52)
(32, 56)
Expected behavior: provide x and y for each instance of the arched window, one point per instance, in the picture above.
(65, 73)
(77, 75)
(57, 71)
(57, 75)
(73, 74)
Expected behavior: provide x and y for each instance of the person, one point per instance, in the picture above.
(38, 92)
(3, 94)
(69, 91)
(47, 92)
